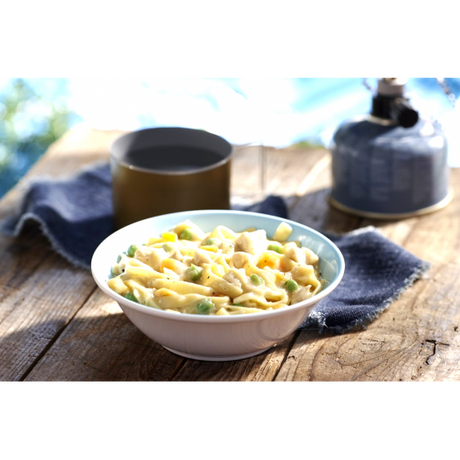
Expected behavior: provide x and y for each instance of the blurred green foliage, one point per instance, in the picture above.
(308, 144)
(33, 114)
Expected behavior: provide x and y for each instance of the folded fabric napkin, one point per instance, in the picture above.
(76, 215)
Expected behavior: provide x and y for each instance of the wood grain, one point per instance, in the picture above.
(55, 325)
(39, 291)
(101, 344)
(417, 338)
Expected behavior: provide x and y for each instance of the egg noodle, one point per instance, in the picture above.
(222, 272)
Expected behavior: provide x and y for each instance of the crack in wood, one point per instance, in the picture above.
(435, 349)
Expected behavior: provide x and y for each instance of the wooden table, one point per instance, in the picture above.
(55, 324)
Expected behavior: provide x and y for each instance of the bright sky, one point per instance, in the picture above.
(274, 111)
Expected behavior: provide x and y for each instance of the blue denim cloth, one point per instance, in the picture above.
(76, 215)
(377, 272)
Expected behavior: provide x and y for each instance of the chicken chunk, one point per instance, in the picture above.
(310, 256)
(239, 259)
(302, 274)
(222, 286)
(232, 278)
(293, 252)
(201, 257)
(303, 293)
(251, 242)
(151, 256)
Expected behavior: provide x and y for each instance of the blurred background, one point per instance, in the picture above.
(277, 112)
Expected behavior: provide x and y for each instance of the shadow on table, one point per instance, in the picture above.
(313, 209)
(104, 347)
(108, 347)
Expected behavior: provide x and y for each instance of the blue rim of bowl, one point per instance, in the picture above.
(188, 317)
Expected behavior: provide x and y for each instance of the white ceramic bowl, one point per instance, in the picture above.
(217, 338)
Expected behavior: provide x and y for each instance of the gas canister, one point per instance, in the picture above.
(390, 163)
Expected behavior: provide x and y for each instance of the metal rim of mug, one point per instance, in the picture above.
(122, 138)
(374, 215)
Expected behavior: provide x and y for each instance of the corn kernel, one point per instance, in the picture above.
(210, 248)
(217, 270)
(268, 260)
(169, 237)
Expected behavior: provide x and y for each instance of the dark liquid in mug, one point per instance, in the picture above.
(172, 158)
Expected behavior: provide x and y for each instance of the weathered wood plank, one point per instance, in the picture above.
(36, 311)
(263, 367)
(287, 169)
(408, 342)
(101, 344)
(39, 291)
(417, 338)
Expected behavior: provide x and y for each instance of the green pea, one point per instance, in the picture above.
(275, 247)
(204, 306)
(132, 250)
(256, 280)
(290, 285)
(167, 247)
(131, 296)
(186, 234)
(213, 242)
(193, 273)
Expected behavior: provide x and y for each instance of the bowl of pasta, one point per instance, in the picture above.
(217, 285)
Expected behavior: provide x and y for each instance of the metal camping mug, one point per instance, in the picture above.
(162, 170)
